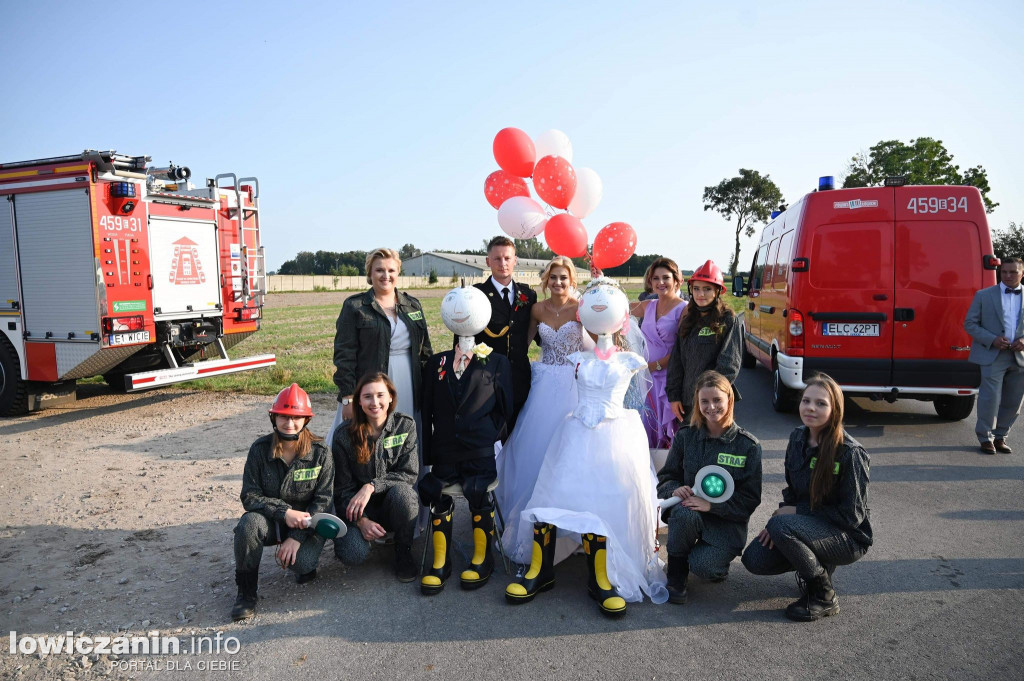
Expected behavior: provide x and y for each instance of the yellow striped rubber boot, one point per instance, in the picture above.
(482, 564)
(440, 570)
(598, 586)
(541, 575)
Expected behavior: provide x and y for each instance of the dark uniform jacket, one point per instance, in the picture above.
(735, 450)
(463, 418)
(393, 460)
(362, 343)
(846, 506)
(271, 487)
(702, 350)
(507, 331)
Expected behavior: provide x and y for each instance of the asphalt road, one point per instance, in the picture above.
(938, 596)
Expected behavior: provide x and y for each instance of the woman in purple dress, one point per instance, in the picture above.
(660, 327)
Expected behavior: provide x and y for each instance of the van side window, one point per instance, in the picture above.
(757, 272)
(783, 260)
(769, 263)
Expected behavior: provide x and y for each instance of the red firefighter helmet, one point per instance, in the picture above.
(292, 401)
(709, 272)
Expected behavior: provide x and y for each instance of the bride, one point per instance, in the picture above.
(552, 397)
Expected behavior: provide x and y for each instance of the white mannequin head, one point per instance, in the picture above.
(604, 307)
(465, 311)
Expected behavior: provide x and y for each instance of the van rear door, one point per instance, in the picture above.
(940, 235)
(848, 321)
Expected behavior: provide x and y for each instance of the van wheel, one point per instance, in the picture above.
(747, 360)
(783, 398)
(115, 379)
(13, 390)
(953, 407)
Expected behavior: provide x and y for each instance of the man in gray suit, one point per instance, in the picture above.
(996, 324)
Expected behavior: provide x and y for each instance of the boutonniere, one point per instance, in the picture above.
(481, 351)
(521, 300)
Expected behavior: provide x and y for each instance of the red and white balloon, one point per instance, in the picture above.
(614, 245)
(554, 180)
(501, 185)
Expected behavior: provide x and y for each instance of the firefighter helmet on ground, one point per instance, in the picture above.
(292, 401)
(709, 272)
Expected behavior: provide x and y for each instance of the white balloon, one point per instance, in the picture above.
(588, 193)
(603, 307)
(553, 143)
(521, 217)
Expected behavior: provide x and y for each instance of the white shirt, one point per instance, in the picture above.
(499, 287)
(1011, 311)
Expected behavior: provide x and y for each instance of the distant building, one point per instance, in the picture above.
(455, 264)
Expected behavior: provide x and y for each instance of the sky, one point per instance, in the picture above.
(371, 124)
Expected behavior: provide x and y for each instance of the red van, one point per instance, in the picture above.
(871, 286)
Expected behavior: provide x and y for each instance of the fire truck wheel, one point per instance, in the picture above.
(954, 408)
(783, 398)
(13, 390)
(747, 360)
(115, 379)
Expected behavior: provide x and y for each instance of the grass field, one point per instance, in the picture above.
(303, 340)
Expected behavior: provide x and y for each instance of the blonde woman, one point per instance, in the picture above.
(382, 330)
(552, 397)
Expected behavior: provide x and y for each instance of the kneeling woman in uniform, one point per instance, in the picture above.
(288, 478)
(704, 537)
(376, 465)
(823, 520)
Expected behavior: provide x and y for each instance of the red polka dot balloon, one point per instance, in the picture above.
(500, 185)
(554, 180)
(614, 245)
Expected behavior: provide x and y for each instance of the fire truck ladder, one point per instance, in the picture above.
(254, 271)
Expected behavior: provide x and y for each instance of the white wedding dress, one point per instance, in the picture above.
(552, 398)
(596, 477)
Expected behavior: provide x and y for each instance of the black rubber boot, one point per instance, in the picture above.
(598, 586)
(405, 566)
(678, 573)
(306, 578)
(819, 601)
(482, 564)
(541, 574)
(245, 602)
(440, 570)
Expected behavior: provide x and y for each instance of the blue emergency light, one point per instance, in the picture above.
(122, 190)
(826, 183)
(776, 213)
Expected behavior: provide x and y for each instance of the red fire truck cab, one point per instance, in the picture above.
(871, 286)
(111, 267)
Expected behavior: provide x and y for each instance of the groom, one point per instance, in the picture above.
(507, 329)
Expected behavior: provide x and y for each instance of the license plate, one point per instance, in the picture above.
(849, 329)
(129, 338)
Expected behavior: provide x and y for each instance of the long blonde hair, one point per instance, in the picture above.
(557, 261)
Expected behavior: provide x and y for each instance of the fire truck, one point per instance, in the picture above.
(111, 267)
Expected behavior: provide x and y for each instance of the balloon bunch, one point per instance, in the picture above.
(548, 161)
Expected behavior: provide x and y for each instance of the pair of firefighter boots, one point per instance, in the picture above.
(541, 574)
(481, 565)
(818, 600)
(245, 602)
(678, 573)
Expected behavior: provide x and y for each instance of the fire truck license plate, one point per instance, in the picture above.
(129, 338)
(848, 329)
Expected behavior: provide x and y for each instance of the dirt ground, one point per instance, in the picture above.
(120, 511)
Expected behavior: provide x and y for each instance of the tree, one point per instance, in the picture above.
(922, 161)
(636, 266)
(749, 197)
(1009, 242)
(408, 251)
